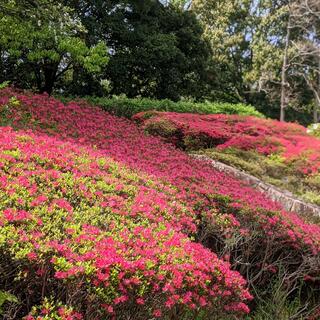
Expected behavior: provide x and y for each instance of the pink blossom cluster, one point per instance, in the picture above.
(125, 142)
(100, 228)
(243, 132)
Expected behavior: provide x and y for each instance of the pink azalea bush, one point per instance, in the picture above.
(283, 154)
(134, 209)
(243, 132)
(80, 223)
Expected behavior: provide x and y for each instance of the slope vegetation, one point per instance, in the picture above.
(282, 154)
(100, 220)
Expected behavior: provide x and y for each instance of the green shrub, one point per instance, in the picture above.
(314, 129)
(194, 142)
(163, 128)
(4, 84)
(6, 297)
(275, 166)
(126, 107)
(312, 197)
(276, 302)
(272, 169)
(313, 182)
(230, 158)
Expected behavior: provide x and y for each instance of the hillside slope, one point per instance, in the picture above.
(259, 239)
(282, 154)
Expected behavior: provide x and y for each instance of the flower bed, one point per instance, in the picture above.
(80, 223)
(233, 220)
(279, 153)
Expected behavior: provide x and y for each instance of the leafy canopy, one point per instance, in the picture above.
(49, 38)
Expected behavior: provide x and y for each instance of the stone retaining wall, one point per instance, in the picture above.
(288, 200)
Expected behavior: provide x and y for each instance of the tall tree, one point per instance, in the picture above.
(156, 47)
(272, 52)
(46, 37)
(285, 66)
(252, 44)
(228, 29)
(285, 53)
(306, 18)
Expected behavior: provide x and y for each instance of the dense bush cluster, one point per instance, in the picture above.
(127, 107)
(78, 222)
(105, 222)
(281, 153)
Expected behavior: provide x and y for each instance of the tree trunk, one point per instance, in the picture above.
(316, 92)
(49, 72)
(284, 82)
(315, 113)
(317, 102)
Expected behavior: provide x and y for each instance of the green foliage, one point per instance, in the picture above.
(4, 84)
(231, 157)
(48, 40)
(271, 169)
(247, 40)
(6, 111)
(126, 107)
(226, 28)
(314, 129)
(164, 128)
(278, 305)
(312, 188)
(157, 50)
(6, 297)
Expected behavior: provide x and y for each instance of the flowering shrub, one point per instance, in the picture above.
(108, 236)
(52, 310)
(246, 133)
(299, 152)
(141, 231)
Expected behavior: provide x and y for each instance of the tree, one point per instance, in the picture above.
(156, 48)
(182, 4)
(228, 29)
(272, 52)
(285, 48)
(46, 37)
(306, 62)
(285, 66)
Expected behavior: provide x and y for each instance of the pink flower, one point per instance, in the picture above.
(32, 256)
(157, 313)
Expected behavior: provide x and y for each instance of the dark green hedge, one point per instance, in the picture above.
(128, 107)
